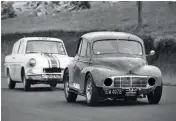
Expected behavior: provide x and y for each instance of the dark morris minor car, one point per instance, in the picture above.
(112, 65)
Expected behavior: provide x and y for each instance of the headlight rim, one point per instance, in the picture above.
(33, 64)
(150, 82)
(109, 85)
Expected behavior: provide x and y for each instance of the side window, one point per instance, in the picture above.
(16, 47)
(79, 49)
(88, 50)
(21, 48)
(13, 50)
(83, 48)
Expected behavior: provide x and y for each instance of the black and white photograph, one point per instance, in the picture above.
(88, 60)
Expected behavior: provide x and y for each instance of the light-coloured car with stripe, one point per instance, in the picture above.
(36, 60)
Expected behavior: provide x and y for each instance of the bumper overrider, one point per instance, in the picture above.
(121, 86)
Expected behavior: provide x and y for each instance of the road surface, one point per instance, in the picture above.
(42, 104)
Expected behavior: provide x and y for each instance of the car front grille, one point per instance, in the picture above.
(52, 70)
(130, 81)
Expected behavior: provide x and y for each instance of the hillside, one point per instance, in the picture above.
(159, 19)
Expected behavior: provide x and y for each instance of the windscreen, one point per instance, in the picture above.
(37, 46)
(117, 46)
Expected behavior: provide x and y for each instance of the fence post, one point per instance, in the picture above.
(139, 4)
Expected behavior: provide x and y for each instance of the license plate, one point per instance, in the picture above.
(52, 76)
(113, 91)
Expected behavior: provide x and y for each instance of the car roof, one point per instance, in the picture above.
(93, 36)
(41, 38)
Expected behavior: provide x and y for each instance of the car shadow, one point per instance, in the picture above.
(35, 89)
(112, 103)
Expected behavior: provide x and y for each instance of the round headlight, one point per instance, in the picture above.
(108, 82)
(32, 62)
(151, 81)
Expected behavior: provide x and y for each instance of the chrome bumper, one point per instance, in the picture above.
(140, 91)
(130, 91)
(45, 76)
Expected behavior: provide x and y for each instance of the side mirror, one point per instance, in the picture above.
(152, 52)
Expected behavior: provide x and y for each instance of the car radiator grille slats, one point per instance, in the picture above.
(52, 70)
(130, 82)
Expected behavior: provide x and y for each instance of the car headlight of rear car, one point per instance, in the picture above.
(32, 62)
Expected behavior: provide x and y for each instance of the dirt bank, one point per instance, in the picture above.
(165, 48)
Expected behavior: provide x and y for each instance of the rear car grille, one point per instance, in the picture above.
(130, 82)
(52, 70)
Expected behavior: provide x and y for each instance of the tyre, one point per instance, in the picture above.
(10, 82)
(155, 96)
(70, 96)
(26, 83)
(92, 92)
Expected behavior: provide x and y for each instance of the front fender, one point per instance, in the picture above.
(70, 68)
(150, 70)
(99, 74)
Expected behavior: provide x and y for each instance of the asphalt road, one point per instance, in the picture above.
(42, 104)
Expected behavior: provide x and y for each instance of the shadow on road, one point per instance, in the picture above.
(35, 89)
(107, 103)
(111, 103)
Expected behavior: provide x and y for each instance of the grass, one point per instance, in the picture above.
(159, 19)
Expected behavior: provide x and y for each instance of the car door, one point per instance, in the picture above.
(74, 81)
(19, 60)
(82, 62)
(12, 61)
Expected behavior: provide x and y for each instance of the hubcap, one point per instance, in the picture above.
(66, 88)
(89, 89)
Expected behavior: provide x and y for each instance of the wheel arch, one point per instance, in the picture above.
(85, 81)
(64, 73)
(98, 74)
(65, 69)
(7, 71)
(22, 73)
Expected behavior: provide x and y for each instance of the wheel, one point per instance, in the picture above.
(26, 83)
(70, 96)
(92, 92)
(155, 96)
(10, 82)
